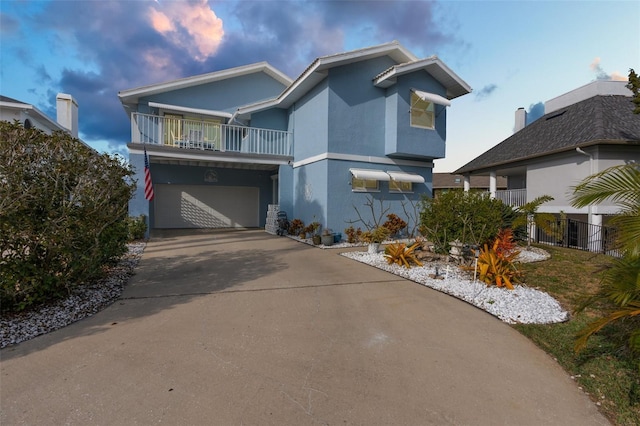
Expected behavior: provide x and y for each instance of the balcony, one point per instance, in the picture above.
(209, 135)
(513, 197)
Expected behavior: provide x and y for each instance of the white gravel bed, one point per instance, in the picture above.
(522, 305)
(83, 302)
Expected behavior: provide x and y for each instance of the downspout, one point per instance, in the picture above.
(580, 151)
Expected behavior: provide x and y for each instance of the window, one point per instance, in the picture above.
(400, 186)
(363, 180)
(364, 184)
(422, 112)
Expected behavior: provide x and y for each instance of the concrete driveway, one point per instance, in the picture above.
(245, 328)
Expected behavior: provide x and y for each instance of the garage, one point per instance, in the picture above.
(206, 206)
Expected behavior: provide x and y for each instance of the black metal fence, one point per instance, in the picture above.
(580, 235)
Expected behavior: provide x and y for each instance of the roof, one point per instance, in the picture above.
(454, 85)
(10, 100)
(407, 62)
(450, 180)
(131, 96)
(594, 121)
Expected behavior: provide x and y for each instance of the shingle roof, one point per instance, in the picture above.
(450, 180)
(597, 120)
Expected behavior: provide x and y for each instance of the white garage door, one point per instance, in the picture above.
(203, 206)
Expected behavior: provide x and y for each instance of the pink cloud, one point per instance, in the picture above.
(193, 27)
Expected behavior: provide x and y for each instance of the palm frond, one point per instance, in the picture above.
(631, 310)
(620, 184)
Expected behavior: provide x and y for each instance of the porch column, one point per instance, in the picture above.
(595, 233)
(492, 184)
(467, 183)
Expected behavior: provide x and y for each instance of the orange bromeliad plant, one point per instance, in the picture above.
(400, 254)
(495, 264)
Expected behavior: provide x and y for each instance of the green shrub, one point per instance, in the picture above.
(136, 227)
(471, 217)
(62, 214)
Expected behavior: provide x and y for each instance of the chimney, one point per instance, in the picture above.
(67, 110)
(521, 119)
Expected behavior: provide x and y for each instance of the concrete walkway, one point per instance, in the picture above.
(244, 328)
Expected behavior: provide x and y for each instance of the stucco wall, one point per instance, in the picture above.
(555, 175)
(414, 141)
(357, 108)
(333, 204)
(226, 95)
(308, 121)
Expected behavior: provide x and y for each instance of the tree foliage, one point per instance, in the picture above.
(62, 214)
(470, 217)
(634, 86)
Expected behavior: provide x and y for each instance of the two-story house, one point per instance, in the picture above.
(582, 132)
(353, 126)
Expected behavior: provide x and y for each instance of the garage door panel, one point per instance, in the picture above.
(201, 206)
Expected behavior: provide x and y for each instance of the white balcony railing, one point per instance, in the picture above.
(513, 197)
(208, 135)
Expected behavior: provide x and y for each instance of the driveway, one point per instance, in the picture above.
(245, 328)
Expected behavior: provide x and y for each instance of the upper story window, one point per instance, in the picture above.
(422, 112)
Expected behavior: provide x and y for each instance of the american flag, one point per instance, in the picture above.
(148, 185)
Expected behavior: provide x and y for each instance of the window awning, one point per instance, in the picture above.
(432, 97)
(370, 174)
(200, 111)
(406, 177)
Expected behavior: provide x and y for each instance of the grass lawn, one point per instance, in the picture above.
(605, 369)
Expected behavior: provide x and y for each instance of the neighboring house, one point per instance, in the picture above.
(30, 116)
(584, 131)
(357, 125)
(444, 182)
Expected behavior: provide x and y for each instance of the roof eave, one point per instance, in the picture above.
(517, 161)
(454, 85)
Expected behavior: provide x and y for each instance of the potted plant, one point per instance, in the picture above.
(327, 237)
(315, 232)
(374, 238)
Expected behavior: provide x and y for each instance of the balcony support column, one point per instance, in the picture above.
(595, 233)
(493, 186)
(467, 183)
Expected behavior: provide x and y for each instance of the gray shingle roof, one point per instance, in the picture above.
(597, 120)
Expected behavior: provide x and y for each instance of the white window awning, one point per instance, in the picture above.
(369, 174)
(432, 97)
(406, 177)
(200, 111)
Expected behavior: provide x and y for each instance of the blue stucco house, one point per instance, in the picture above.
(355, 126)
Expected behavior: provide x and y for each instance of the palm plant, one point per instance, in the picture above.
(620, 283)
(527, 215)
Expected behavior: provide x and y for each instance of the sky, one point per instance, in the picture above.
(512, 53)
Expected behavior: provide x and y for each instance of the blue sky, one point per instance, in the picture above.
(512, 53)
